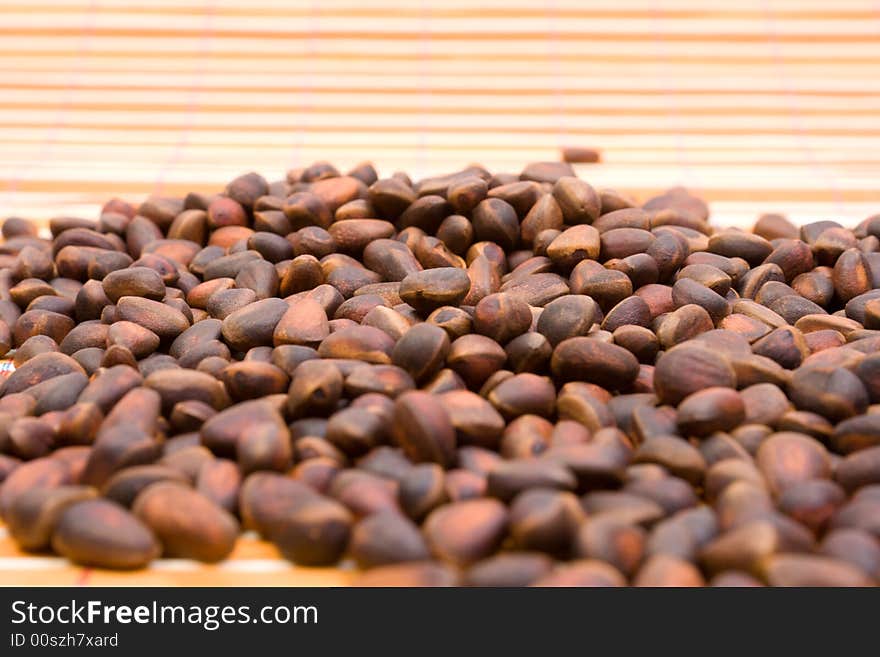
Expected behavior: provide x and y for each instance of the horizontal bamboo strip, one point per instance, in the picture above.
(427, 68)
(461, 124)
(467, 7)
(588, 51)
(418, 84)
(440, 26)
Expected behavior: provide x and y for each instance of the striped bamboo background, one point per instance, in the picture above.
(759, 105)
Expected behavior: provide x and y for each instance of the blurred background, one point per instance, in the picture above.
(758, 105)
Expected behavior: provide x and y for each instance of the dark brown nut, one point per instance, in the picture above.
(352, 235)
(854, 546)
(224, 211)
(675, 454)
(852, 275)
(775, 226)
(544, 215)
(509, 569)
(360, 343)
(606, 286)
(545, 520)
(253, 379)
(177, 385)
(667, 570)
(649, 422)
(584, 572)
(573, 245)
(259, 276)
(791, 307)
(812, 570)
(496, 220)
(266, 498)
(465, 192)
(29, 437)
(710, 410)
(103, 534)
(475, 358)
(38, 369)
(390, 259)
(289, 357)
(611, 540)
(685, 323)
(430, 289)
(529, 352)
(388, 380)
(390, 321)
(524, 394)
(568, 316)
(41, 322)
(784, 345)
(764, 403)
(391, 197)
(314, 532)
(639, 341)
(163, 320)
(632, 311)
(537, 289)
(422, 351)
(580, 204)
(465, 532)
(733, 243)
(124, 486)
(422, 489)
(28, 290)
(407, 575)
(707, 275)
(32, 516)
(861, 468)
(688, 369)
(788, 458)
(223, 303)
(577, 401)
(502, 317)
(833, 392)
(812, 502)
(190, 415)
(140, 341)
(422, 427)
(751, 329)
(85, 335)
(135, 282)
(526, 436)
(264, 446)
(385, 538)
(302, 274)
(598, 464)
(315, 389)
(384, 461)
(187, 523)
(109, 386)
(586, 359)
(475, 420)
(116, 447)
(355, 431)
(455, 321)
(509, 478)
(687, 291)
(318, 472)
(253, 325)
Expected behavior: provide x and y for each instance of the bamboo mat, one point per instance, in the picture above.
(758, 106)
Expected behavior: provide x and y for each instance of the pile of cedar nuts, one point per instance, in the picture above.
(471, 379)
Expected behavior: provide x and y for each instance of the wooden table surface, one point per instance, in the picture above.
(758, 105)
